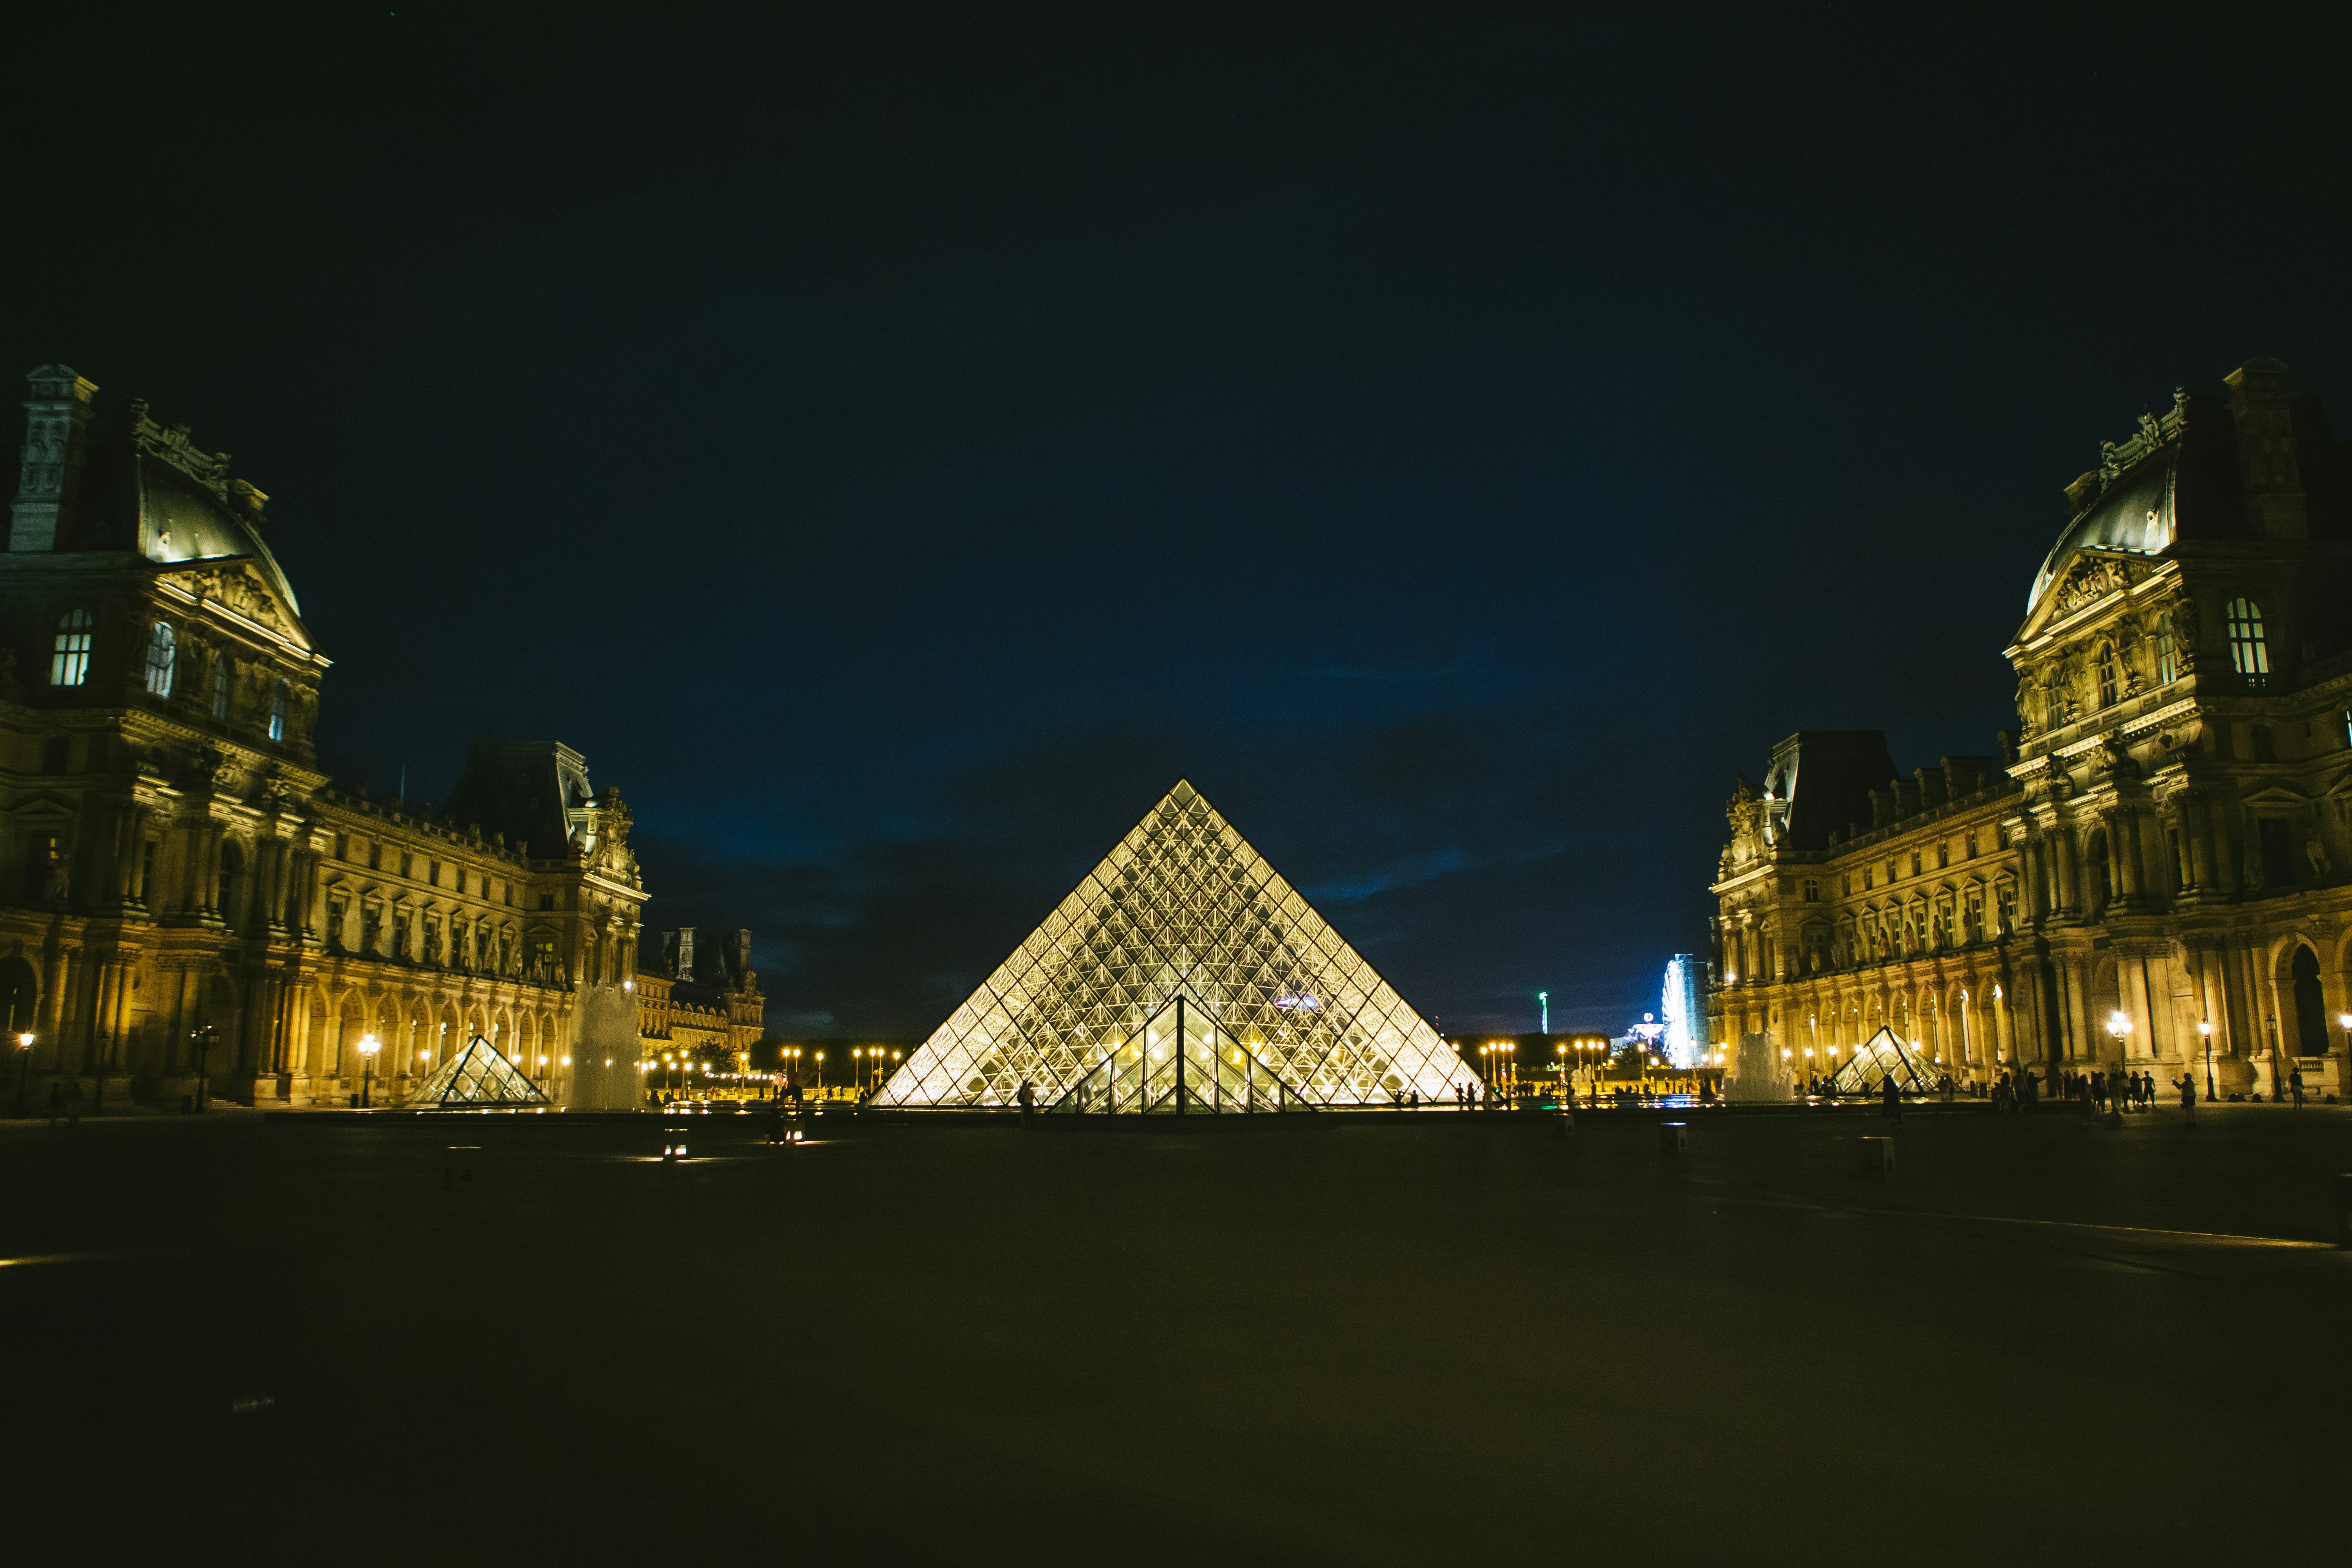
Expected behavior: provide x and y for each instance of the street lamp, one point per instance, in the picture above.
(2206, 1029)
(23, 1062)
(820, 1075)
(369, 1045)
(202, 1037)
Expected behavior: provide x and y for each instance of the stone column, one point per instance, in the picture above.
(2132, 989)
(281, 882)
(2004, 1052)
(2081, 1042)
(134, 835)
(2065, 892)
(2122, 855)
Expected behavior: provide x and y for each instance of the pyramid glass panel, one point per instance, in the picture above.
(1183, 975)
(1875, 1060)
(476, 1075)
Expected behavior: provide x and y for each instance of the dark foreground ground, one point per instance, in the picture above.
(1431, 1340)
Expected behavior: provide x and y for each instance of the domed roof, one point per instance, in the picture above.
(2136, 512)
(181, 520)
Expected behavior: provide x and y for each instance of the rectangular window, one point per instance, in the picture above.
(375, 856)
(343, 845)
(2168, 663)
(1813, 891)
(433, 873)
(1866, 874)
(1972, 846)
(70, 653)
(2277, 835)
(1845, 884)
(220, 687)
(56, 755)
(1943, 853)
(279, 696)
(162, 660)
(2179, 871)
(2005, 907)
(1915, 863)
(1976, 931)
(406, 864)
(42, 850)
(509, 895)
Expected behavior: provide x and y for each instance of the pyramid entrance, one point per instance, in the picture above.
(1182, 976)
(476, 1076)
(1880, 1057)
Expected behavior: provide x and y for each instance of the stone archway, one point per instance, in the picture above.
(2302, 1003)
(20, 998)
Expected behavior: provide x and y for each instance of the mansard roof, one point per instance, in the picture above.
(533, 792)
(149, 489)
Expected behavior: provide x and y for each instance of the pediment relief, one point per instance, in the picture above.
(2275, 796)
(2090, 579)
(241, 591)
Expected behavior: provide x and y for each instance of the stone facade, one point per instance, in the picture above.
(701, 1001)
(2164, 844)
(183, 891)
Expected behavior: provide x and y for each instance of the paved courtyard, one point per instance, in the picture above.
(1417, 1339)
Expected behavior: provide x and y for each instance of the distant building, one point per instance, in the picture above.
(2163, 848)
(181, 890)
(700, 1000)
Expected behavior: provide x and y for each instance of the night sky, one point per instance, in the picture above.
(895, 446)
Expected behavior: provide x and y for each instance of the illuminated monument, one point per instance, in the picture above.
(1182, 976)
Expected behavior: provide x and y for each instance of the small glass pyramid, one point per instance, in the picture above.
(1881, 1057)
(476, 1075)
(1183, 975)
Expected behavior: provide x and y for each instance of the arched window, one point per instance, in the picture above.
(69, 655)
(278, 697)
(162, 660)
(2168, 663)
(2248, 654)
(2106, 675)
(220, 688)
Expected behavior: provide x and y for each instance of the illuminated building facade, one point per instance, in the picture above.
(700, 1002)
(1182, 976)
(183, 893)
(2166, 841)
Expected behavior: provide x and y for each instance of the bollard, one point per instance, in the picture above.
(1876, 1155)
(2344, 1210)
(1674, 1138)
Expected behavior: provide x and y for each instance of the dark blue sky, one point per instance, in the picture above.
(896, 445)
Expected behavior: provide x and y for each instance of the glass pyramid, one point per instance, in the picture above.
(1881, 1057)
(1183, 975)
(478, 1075)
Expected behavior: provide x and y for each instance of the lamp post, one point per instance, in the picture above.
(2119, 1028)
(820, 1075)
(2206, 1030)
(202, 1037)
(369, 1045)
(24, 1063)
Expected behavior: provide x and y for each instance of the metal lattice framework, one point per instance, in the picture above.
(478, 1075)
(1183, 974)
(1878, 1059)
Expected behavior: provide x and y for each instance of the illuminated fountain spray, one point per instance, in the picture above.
(1543, 1012)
